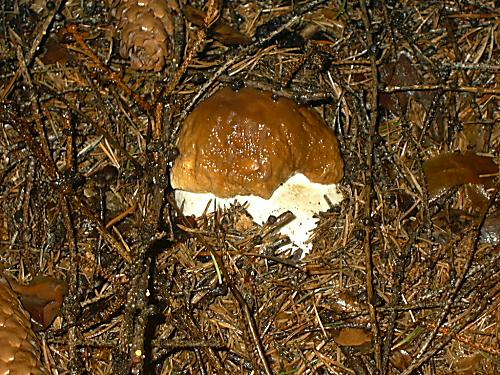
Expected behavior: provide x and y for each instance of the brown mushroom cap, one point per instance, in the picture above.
(247, 143)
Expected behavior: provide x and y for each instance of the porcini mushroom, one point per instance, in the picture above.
(249, 146)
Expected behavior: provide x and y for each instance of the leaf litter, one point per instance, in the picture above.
(403, 274)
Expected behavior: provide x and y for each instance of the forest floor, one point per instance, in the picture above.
(403, 275)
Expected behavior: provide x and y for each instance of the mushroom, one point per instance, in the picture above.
(248, 146)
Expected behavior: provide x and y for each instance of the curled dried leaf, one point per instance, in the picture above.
(42, 298)
(451, 169)
(400, 73)
(478, 197)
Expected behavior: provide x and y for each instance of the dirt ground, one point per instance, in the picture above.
(403, 276)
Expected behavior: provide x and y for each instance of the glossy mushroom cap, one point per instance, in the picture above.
(247, 143)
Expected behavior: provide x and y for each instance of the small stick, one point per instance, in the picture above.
(121, 216)
(44, 156)
(249, 318)
(196, 47)
(65, 188)
(470, 89)
(368, 191)
(113, 76)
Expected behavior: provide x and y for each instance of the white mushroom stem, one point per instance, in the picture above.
(298, 195)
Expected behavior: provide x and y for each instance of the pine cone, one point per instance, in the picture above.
(146, 29)
(19, 351)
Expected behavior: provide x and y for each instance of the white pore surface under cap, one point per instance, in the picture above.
(298, 195)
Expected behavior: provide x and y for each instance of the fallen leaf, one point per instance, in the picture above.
(451, 169)
(401, 73)
(352, 337)
(55, 52)
(42, 298)
(400, 359)
(468, 364)
(346, 302)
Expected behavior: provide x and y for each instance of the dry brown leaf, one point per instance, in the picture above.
(55, 52)
(42, 298)
(402, 73)
(400, 359)
(352, 337)
(468, 364)
(451, 169)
